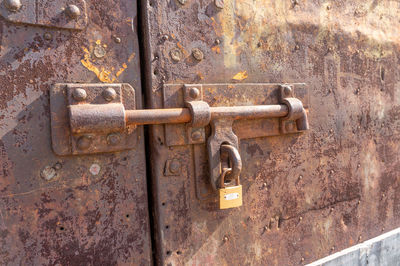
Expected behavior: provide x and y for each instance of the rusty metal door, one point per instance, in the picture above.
(305, 194)
(70, 205)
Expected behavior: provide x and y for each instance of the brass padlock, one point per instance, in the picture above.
(230, 197)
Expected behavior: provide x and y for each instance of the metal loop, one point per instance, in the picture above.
(234, 162)
(201, 114)
(225, 171)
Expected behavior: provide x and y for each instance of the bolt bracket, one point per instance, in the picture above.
(75, 121)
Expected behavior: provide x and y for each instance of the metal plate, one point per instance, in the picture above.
(48, 13)
(304, 196)
(64, 142)
(69, 210)
(231, 95)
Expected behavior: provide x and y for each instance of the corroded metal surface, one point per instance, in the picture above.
(71, 210)
(304, 196)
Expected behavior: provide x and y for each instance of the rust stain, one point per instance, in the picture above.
(241, 76)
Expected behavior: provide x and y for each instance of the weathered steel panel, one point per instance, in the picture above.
(68, 210)
(304, 196)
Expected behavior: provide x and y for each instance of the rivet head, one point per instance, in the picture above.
(109, 94)
(79, 94)
(225, 239)
(219, 3)
(47, 36)
(196, 135)
(182, 2)
(197, 54)
(73, 11)
(48, 173)
(174, 166)
(99, 51)
(13, 5)
(194, 93)
(113, 139)
(84, 142)
(176, 55)
(287, 90)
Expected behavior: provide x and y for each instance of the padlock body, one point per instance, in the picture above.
(230, 197)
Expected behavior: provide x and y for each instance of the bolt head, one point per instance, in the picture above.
(113, 139)
(109, 94)
(73, 11)
(194, 93)
(196, 135)
(219, 4)
(176, 55)
(13, 5)
(174, 166)
(84, 142)
(79, 94)
(197, 54)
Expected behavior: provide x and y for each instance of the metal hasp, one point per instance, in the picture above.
(100, 119)
(61, 14)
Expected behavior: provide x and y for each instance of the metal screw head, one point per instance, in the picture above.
(174, 166)
(175, 54)
(219, 3)
(13, 5)
(194, 93)
(196, 135)
(109, 94)
(48, 36)
(73, 11)
(113, 139)
(84, 142)
(197, 54)
(79, 94)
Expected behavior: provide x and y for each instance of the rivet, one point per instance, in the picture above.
(182, 2)
(300, 177)
(175, 54)
(117, 39)
(99, 51)
(287, 90)
(73, 11)
(219, 3)
(48, 36)
(302, 259)
(113, 139)
(217, 41)
(194, 93)
(95, 169)
(196, 135)
(84, 142)
(13, 5)
(264, 184)
(197, 54)
(48, 173)
(79, 94)
(109, 94)
(58, 166)
(175, 166)
(225, 239)
(165, 37)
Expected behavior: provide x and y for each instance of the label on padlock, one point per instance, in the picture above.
(230, 197)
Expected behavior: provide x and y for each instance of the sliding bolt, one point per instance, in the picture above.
(13, 5)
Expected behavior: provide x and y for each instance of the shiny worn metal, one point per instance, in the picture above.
(68, 210)
(12, 5)
(73, 11)
(347, 53)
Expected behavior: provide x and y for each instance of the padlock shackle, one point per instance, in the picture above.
(235, 164)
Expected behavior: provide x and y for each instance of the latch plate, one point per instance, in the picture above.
(78, 140)
(232, 94)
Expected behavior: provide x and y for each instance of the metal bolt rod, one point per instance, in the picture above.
(182, 115)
